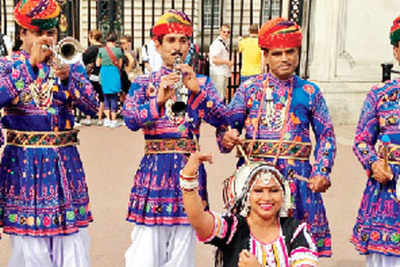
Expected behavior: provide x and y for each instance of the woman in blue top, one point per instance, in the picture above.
(110, 60)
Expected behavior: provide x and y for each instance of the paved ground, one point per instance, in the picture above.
(110, 157)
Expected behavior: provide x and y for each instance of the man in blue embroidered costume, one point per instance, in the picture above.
(377, 229)
(44, 202)
(276, 110)
(162, 235)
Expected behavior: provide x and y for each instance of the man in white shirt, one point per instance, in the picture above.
(150, 56)
(220, 65)
(5, 45)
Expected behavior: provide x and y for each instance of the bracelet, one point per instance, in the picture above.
(184, 190)
(186, 184)
(188, 177)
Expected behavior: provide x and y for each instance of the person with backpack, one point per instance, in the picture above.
(93, 71)
(110, 60)
(129, 64)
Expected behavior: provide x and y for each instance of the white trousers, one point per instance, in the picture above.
(379, 260)
(161, 246)
(221, 82)
(59, 251)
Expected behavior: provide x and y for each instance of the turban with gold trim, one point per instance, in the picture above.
(37, 14)
(279, 33)
(395, 31)
(173, 21)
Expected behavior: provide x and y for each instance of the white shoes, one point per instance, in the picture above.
(86, 122)
(106, 123)
(111, 123)
(114, 124)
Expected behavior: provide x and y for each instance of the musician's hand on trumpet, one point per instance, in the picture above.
(167, 88)
(189, 78)
(40, 52)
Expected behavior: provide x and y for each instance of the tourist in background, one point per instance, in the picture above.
(93, 71)
(251, 54)
(110, 60)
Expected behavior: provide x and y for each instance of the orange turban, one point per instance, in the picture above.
(37, 14)
(279, 33)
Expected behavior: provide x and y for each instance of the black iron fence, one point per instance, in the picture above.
(207, 16)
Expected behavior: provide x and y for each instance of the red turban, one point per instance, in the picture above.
(395, 31)
(279, 33)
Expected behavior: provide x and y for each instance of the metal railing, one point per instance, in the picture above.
(239, 14)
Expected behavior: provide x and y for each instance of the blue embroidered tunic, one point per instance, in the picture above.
(307, 109)
(377, 227)
(43, 191)
(155, 197)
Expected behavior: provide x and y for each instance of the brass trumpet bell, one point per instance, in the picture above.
(66, 49)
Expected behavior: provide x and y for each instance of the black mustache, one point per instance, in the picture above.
(177, 53)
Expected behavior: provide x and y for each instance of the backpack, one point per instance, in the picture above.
(3, 48)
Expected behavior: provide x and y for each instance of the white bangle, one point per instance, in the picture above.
(188, 185)
(188, 177)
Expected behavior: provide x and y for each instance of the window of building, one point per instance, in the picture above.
(272, 9)
(211, 6)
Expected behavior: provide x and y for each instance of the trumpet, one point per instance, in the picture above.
(181, 92)
(65, 51)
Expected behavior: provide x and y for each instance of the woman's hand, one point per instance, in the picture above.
(247, 259)
(194, 162)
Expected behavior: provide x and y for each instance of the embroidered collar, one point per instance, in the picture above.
(275, 81)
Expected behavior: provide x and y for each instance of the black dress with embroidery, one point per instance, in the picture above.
(294, 246)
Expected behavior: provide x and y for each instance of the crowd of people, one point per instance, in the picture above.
(111, 68)
(275, 215)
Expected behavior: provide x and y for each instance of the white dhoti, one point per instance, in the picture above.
(59, 251)
(379, 260)
(161, 246)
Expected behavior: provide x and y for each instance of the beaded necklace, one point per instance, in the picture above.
(42, 92)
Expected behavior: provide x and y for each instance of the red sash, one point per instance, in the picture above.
(112, 56)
